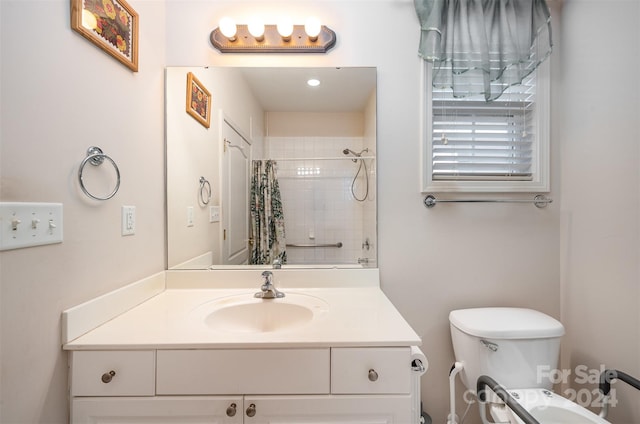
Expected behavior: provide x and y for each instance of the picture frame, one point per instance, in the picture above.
(112, 25)
(198, 100)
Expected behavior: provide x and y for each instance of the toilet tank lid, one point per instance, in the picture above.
(506, 323)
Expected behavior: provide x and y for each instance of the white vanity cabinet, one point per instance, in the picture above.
(253, 386)
(157, 410)
(388, 409)
(148, 353)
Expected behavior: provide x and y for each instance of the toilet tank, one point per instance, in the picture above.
(517, 347)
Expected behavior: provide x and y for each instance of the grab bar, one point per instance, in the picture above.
(486, 381)
(338, 244)
(540, 201)
(608, 375)
(605, 386)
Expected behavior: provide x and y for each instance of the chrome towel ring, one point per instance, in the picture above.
(95, 157)
(205, 191)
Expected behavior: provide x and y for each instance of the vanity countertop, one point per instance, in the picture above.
(358, 315)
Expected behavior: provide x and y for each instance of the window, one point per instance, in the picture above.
(471, 145)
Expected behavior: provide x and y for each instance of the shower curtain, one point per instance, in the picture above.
(267, 219)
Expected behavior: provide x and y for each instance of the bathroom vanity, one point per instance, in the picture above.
(198, 347)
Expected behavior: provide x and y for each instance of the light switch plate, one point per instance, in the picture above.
(24, 224)
(214, 213)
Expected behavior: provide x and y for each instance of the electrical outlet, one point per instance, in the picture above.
(189, 216)
(128, 220)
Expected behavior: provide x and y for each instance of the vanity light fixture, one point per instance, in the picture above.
(285, 37)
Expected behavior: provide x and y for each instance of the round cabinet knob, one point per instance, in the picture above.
(373, 375)
(251, 410)
(231, 410)
(108, 376)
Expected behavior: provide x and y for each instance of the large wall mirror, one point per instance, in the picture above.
(285, 166)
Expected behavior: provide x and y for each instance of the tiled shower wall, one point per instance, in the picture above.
(315, 179)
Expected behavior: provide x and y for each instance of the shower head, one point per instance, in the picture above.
(349, 151)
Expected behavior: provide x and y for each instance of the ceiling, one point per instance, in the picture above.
(286, 89)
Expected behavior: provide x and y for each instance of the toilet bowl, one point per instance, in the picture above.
(514, 346)
(546, 407)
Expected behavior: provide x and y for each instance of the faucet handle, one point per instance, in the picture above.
(267, 275)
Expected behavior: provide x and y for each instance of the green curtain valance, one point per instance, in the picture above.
(483, 46)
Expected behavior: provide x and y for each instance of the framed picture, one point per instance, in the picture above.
(111, 25)
(198, 100)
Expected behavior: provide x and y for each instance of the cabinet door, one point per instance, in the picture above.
(389, 409)
(157, 410)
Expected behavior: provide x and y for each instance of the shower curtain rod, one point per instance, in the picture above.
(321, 158)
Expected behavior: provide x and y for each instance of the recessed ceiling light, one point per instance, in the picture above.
(313, 82)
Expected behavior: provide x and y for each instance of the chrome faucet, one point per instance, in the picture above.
(277, 263)
(268, 290)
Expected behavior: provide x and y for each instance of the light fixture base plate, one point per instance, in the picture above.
(272, 42)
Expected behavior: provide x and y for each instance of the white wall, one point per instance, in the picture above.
(431, 261)
(60, 95)
(599, 134)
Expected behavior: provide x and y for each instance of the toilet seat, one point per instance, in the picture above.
(546, 407)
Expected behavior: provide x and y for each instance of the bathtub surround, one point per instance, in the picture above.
(319, 207)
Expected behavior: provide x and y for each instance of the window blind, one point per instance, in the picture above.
(473, 139)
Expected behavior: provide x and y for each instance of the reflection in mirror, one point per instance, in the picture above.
(312, 202)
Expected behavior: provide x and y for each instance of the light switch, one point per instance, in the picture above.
(24, 224)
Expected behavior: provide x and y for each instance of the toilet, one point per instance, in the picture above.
(518, 348)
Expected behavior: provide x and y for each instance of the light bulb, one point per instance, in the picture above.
(312, 27)
(228, 28)
(313, 82)
(256, 28)
(285, 28)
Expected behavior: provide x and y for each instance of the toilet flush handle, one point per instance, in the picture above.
(491, 346)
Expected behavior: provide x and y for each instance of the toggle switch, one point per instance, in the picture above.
(20, 224)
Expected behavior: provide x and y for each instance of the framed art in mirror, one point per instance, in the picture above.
(111, 25)
(198, 100)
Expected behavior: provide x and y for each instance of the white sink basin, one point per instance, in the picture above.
(244, 313)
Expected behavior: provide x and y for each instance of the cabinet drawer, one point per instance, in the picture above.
(113, 373)
(370, 370)
(243, 371)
